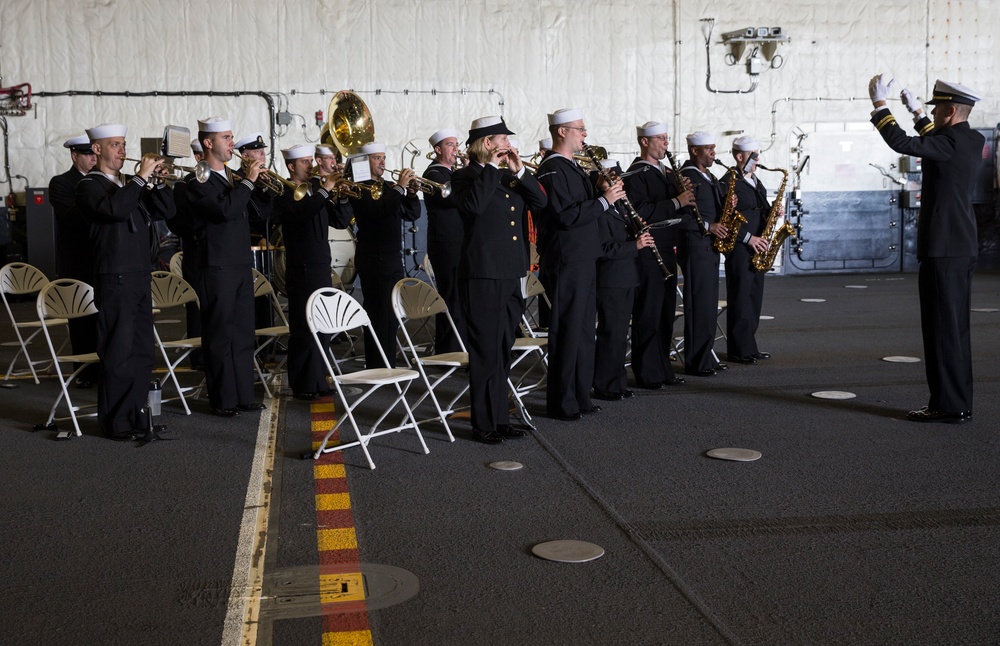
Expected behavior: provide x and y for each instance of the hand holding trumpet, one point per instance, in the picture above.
(405, 180)
(150, 164)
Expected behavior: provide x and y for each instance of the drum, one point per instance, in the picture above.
(263, 260)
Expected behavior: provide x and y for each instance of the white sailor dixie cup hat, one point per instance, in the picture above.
(946, 91)
(746, 143)
(106, 131)
(651, 129)
(565, 115)
(443, 134)
(298, 152)
(701, 138)
(215, 124)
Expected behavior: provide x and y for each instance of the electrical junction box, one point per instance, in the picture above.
(909, 164)
(911, 199)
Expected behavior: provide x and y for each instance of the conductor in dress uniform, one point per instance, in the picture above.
(493, 204)
(652, 189)
(74, 253)
(119, 213)
(569, 244)
(699, 261)
(222, 206)
(947, 237)
(444, 238)
(304, 225)
(744, 284)
(379, 255)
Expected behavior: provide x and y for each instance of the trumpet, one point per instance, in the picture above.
(424, 184)
(461, 159)
(202, 171)
(271, 180)
(346, 188)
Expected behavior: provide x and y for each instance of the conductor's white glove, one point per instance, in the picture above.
(878, 88)
(911, 102)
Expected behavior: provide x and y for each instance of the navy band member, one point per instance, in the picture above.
(379, 256)
(262, 205)
(699, 261)
(654, 195)
(569, 244)
(304, 226)
(744, 284)
(444, 238)
(493, 204)
(947, 237)
(120, 214)
(74, 253)
(222, 206)
(327, 161)
(617, 277)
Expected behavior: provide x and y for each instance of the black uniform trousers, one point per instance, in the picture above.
(306, 370)
(614, 310)
(744, 295)
(945, 286)
(191, 272)
(653, 319)
(572, 289)
(700, 265)
(228, 337)
(378, 276)
(493, 308)
(125, 346)
(445, 257)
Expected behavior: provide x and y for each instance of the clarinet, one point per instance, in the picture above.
(638, 226)
(680, 189)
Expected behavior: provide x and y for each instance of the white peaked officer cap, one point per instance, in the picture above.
(701, 138)
(323, 149)
(545, 144)
(565, 115)
(298, 152)
(215, 124)
(441, 135)
(106, 131)
(651, 129)
(80, 143)
(947, 91)
(196, 146)
(252, 142)
(373, 148)
(746, 143)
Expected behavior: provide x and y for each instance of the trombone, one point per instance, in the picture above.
(424, 184)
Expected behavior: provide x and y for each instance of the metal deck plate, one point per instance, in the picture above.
(568, 551)
(735, 455)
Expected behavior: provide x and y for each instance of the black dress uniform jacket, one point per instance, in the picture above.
(947, 248)
(652, 194)
(493, 205)
(119, 220)
(444, 248)
(379, 262)
(569, 244)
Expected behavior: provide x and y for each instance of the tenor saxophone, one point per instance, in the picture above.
(730, 218)
(773, 234)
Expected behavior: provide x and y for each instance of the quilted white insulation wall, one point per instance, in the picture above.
(425, 65)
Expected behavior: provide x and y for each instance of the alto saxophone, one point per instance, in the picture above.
(773, 234)
(730, 218)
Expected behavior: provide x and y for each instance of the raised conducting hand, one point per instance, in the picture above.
(911, 102)
(879, 88)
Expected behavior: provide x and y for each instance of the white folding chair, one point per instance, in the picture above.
(169, 291)
(269, 335)
(176, 261)
(331, 311)
(533, 291)
(61, 300)
(21, 279)
(415, 300)
(534, 344)
(429, 270)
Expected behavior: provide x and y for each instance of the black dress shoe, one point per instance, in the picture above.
(565, 418)
(225, 412)
(674, 381)
(656, 385)
(627, 394)
(306, 397)
(761, 355)
(487, 437)
(721, 366)
(506, 430)
(593, 409)
(608, 397)
(251, 407)
(82, 384)
(928, 415)
(746, 360)
(708, 372)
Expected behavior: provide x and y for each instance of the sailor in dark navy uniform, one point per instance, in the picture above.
(119, 213)
(493, 204)
(304, 225)
(698, 260)
(444, 238)
(947, 237)
(744, 284)
(74, 253)
(653, 192)
(379, 255)
(222, 205)
(569, 244)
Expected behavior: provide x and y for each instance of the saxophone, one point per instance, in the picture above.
(773, 234)
(730, 218)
